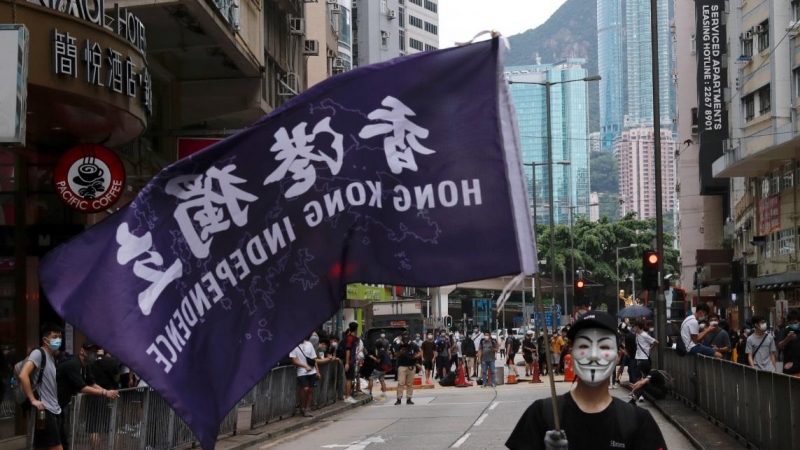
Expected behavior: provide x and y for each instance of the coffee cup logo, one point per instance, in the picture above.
(89, 178)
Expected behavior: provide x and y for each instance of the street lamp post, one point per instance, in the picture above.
(617, 260)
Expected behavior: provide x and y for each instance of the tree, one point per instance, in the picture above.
(605, 173)
(595, 253)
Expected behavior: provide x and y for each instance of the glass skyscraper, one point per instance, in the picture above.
(611, 67)
(569, 116)
(625, 65)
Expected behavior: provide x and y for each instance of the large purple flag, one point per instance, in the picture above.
(406, 172)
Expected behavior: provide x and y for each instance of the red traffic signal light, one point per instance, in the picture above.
(580, 284)
(652, 258)
(650, 270)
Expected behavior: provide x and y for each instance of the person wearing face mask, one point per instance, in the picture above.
(38, 379)
(790, 345)
(718, 338)
(761, 348)
(693, 336)
(428, 354)
(476, 341)
(589, 416)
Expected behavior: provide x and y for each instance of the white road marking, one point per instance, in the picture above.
(360, 445)
(480, 420)
(461, 441)
(494, 405)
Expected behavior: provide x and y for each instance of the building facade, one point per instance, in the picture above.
(611, 64)
(422, 25)
(379, 31)
(172, 79)
(569, 106)
(760, 159)
(635, 151)
(344, 32)
(321, 46)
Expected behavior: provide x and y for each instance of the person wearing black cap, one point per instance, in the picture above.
(589, 415)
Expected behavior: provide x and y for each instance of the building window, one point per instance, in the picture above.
(429, 48)
(749, 107)
(796, 10)
(414, 21)
(693, 44)
(788, 176)
(775, 182)
(402, 40)
(747, 45)
(416, 2)
(430, 6)
(384, 7)
(765, 187)
(385, 39)
(786, 242)
(402, 13)
(763, 35)
(431, 28)
(415, 44)
(764, 100)
(796, 76)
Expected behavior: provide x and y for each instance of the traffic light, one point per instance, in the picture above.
(650, 270)
(578, 289)
(448, 322)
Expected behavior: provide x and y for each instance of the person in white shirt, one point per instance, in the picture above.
(692, 336)
(644, 344)
(304, 357)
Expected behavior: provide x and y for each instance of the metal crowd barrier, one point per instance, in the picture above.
(141, 420)
(761, 407)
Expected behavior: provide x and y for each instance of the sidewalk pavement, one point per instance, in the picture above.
(246, 438)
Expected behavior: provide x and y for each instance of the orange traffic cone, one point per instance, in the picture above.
(512, 378)
(461, 379)
(569, 374)
(535, 378)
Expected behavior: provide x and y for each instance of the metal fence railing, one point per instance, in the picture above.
(761, 407)
(142, 420)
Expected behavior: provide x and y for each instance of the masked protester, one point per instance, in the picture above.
(790, 345)
(590, 416)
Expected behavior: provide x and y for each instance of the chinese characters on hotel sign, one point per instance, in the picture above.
(105, 67)
(769, 215)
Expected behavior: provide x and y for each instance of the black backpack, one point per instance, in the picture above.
(468, 347)
(515, 345)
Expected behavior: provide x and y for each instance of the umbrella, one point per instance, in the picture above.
(635, 311)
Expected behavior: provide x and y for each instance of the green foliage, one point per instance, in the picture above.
(595, 249)
(571, 32)
(605, 173)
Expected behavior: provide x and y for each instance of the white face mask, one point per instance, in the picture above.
(594, 354)
(702, 326)
(714, 323)
(762, 327)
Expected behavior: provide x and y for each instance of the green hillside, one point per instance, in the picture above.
(571, 32)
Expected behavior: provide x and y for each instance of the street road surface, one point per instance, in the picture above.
(442, 418)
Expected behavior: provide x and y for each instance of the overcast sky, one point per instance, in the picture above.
(460, 20)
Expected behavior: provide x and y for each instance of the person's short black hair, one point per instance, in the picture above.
(49, 328)
(713, 314)
(702, 307)
(353, 326)
(758, 319)
(793, 315)
(639, 324)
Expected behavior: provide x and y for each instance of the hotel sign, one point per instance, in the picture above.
(769, 215)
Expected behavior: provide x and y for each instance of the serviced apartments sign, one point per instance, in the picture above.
(13, 83)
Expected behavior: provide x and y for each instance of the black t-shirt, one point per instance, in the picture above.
(71, 378)
(631, 345)
(598, 431)
(406, 353)
(106, 372)
(791, 352)
(527, 346)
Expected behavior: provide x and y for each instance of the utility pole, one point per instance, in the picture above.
(661, 303)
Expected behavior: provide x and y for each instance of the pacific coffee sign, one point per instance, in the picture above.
(89, 178)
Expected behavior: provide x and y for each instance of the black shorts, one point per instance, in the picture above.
(511, 357)
(53, 433)
(528, 358)
(350, 375)
(307, 381)
(428, 363)
(442, 363)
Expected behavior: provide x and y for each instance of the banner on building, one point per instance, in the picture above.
(13, 84)
(712, 80)
(769, 215)
(405, 173)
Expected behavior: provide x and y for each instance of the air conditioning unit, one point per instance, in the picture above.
(391, 14)
(335, 8)
(747, 36)
(338, 63)
(332, 2)
(385, 35)
(758, 29)
(289, 86)
(311, 47)
(793, 28)
(297, 25)
(695, 130)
